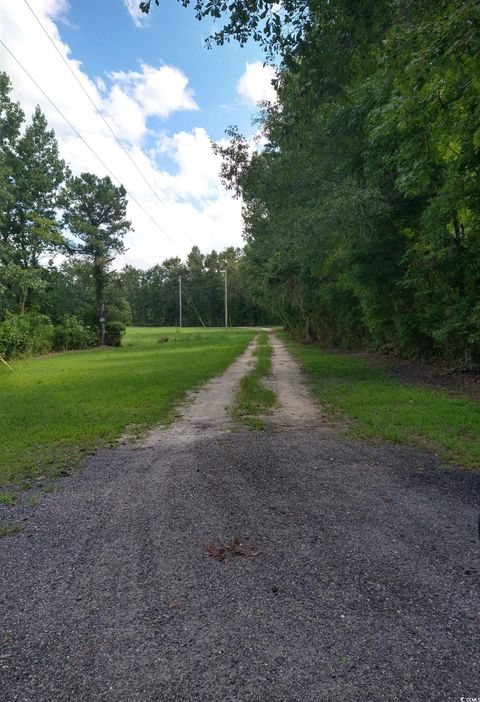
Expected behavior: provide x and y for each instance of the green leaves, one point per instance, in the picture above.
(362, 212)
(145, 6)
(94, 210)
(95, 213)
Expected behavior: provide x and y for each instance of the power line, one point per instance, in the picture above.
(90, 148)
(190, 299)
(180, 300)
(193, 305)
(214, 285)
(109, 127)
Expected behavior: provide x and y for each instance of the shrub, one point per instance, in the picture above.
(72, 333)
(14, 332)
(42, 333)
(114, 332)
(119, 311)
(23, 335)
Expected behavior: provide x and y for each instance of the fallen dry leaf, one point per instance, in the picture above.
(232, 548)
(214, 552)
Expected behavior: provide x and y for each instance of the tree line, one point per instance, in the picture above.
(47, 213)
(362, 212)
(154, 294)
(60, 235)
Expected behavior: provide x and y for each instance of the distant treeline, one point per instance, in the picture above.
(153, 294)
(362, 211)
(47, 216)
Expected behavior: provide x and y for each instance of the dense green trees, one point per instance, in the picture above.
(362, 212)
(43, 305)
(31, 175)
(153, 294)
(59, 236)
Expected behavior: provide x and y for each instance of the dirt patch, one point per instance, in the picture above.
(205, 412)
(296, 406)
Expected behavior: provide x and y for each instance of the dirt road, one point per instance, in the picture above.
(355, 576)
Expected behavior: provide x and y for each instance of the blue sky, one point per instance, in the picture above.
(164, 94)
(106, 39)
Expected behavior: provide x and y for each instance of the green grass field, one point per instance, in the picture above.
(380, 407)
(56, 408)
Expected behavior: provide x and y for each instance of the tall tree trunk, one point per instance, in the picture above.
(459, 231)
(101, 321)
(99, 293)
(23, 299)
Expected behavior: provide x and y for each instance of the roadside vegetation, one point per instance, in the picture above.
(9, 529)
(253, 397)
(57, 408)
(380, 407)
(59, 237)
(362, 209)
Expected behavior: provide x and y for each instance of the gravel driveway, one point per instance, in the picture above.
(356, 574)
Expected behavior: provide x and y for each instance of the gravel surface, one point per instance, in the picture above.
(365, 585)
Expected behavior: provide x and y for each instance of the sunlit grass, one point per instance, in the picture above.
(56, 408)
(380, 407)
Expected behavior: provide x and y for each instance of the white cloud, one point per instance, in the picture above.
(158, 91)
(255, 85)
(198, 165)
(53, 8)
(139, 18)
(194, 206)
(125, 115)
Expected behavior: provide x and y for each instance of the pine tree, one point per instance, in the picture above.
(95, 213)
(38, 173)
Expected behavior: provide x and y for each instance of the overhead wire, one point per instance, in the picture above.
(184, 289)
(211, 286)
(109, 127)
(193, 306)
(90, 148)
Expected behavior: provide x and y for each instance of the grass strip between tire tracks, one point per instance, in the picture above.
(253, 398)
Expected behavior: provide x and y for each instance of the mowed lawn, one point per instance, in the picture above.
(379, 407)
(56, 408)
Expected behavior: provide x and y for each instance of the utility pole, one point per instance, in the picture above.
(180, 299)
(226, 300)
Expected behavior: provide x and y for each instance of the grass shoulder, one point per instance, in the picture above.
(381, 408)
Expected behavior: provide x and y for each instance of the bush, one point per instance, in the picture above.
(14, 332)
(71, 333)
(114, 332)
(24, 335)
(42, 333)
(27, 334)
(119, 311)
